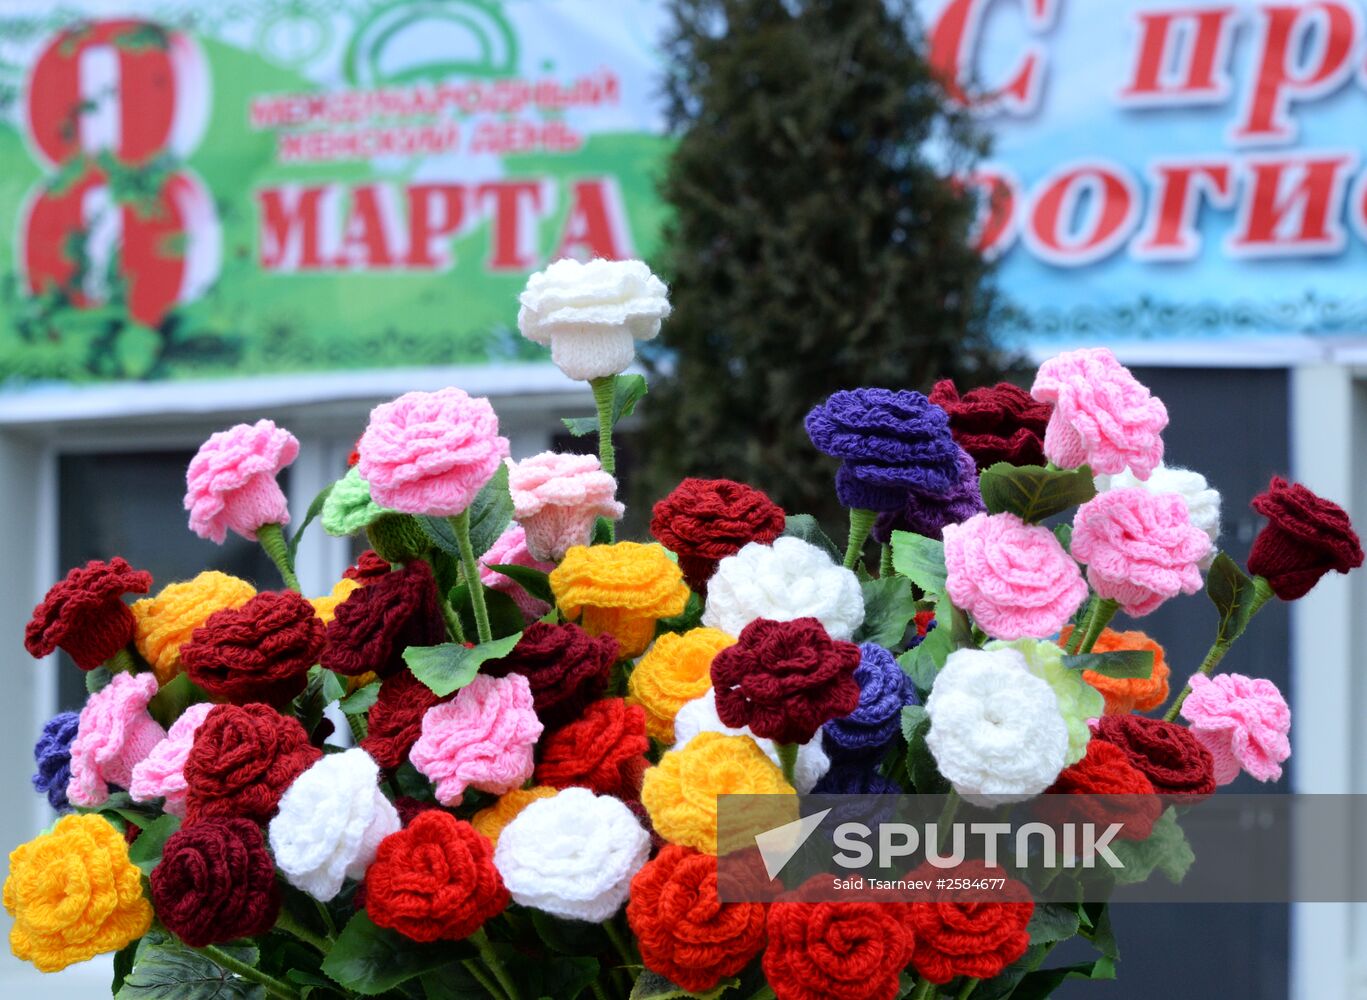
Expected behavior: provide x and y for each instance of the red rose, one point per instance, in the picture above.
(966, 936)
(1305, 537)
(260, 651)
(603, 750)
(565, 667)
(369, 565)
(1113, 791)
(216, 882)
(703, 521)
(1000, 423)
(376, 623)
(242, 760)
(395, 720)
(1167, 754)
(85, 615)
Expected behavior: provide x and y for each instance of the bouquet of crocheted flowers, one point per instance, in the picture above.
(487, 762)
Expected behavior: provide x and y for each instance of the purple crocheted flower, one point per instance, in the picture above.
(52, 753)
(855, 778)
(890, 443)
(927, 515)
(883, 691)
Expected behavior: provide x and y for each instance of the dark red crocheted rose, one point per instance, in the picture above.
(785, 679)
(604, 749)
(376, 623)
(243, 759)
(260, 651)
(565, 666)
(684, 931)
(410, 808)
(216, 882)
(369, 565)
(1103, 788)
(1000, 423)
(963, 934)
(1305, 537)
(395, 720)
(434, 880)
(703, 521)
(85, 615)
(1167, 754)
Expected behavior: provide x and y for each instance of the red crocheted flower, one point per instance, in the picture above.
(376, 623)
(260, 651)
(369, 565)
(395, 720)
(434, 880)
(1109, 789)
(1305, 537)
(216, 882)
(85, 615)
(1167, 754)
(603, 750)
(243, 759)
(703, 521)
(1000, 423)
(785, 679)
(962, 934)
(684, 931)
(565, 666)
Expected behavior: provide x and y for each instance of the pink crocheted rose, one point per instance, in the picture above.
(430, 452)
(231, 481)
(1013, 578)
(557, 498)
(510, 549)
(1243, 722)
(1140, 548)
(483, 738)
(1102, 415)
(161, 775)
(114, 734)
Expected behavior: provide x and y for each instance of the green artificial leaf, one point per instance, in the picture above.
(919, 664)
(1118, 663)
(568, 937)
(1165, 850)
(412, 783)
(370, 960)
(505, 617)
(1032, 492)
(170, 703)
(653, 986)
(361, 699)
(805, 527)
(490, 513)
(1235, 596)
(1052, 922)
(1064, 534)
(921, 560)
(603, 532)
(123, 964)
(452, 982)
(689, 618)
(533, 581)
(627, 391)
(97, 680)
(323, 688)
(145, 851)
(889, 608)
(559, 976)
(164, 969)
(315, 509)
(450, 666)
(925, 776)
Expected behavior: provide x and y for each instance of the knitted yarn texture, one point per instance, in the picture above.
(349, 507)
(114, 734)
(261, 651)
(674, 671)
(1305, 537)
(700, 716)
(566, 668)
(161, 774)
(395, 720)
(52, 755)
(786, 580)
(999, 423)
(884, 690)
(1169, 755)
(326, 607)
(1078, 701)
(604, 750)
(1126, 694)
(216, 882)
(836, 950)
(230, 483)
(557, 498)
(491, 820)
(621, 590)
(703, 521)
(1113, 791)
(84, 613)
(242, 760)
(958, 936)
(927, 515)
(374, 625)
(1244, 722)
(510, 549)
(165, 622)
(1203, 503)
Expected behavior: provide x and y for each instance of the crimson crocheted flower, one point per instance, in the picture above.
(1305, 537)
(959, 935)
(369, 565)
(685, 932)
(1167, 754)
(379, 621)
(260, 651)
(216, 882)
(603, 750)
(395, 720)
(243, 759)
(999, 423)
(1110, 790)
(565, 666)
(836, 950)
(702, 521)
(84, 613)
(434, 880)
(785, 679)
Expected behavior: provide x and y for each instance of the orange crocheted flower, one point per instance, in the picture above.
(164, 622)
(620, 589)
(676, 670)
(491, 820)
(1127, 694)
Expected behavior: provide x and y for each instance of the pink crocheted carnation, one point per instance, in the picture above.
(558, 497)
(231, 480)
(161, 775)
(114, 734)
(510, 549)
(430, 452)
(1013, 578)
(1102, 415)
(483, 738)
(1140, 548)
(1243, 722)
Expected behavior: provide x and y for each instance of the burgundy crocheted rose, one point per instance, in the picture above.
(369, 565)
(395, 719)
(1108, 789)
(85, 615)
(565, 666)
(260, 651)
(702, 521)
(999, 423)
(243, 759)
(785, 679)
(216, 882)
(604, 750)
(1167, 754)
(376, 623)
(1305, 537)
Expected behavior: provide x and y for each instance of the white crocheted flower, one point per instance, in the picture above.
(995, 728)
(700, 716)
(1078, 701)
(1203, 503)
(330, 823)
(591, 314)
(572, 855)
(787, 580)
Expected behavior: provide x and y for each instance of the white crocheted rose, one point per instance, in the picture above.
(330, 823)
(700, 716)
(787, 580)
(995, 728)
(572, 855)
(1203, 503)
(591, 314)
(1078, 701)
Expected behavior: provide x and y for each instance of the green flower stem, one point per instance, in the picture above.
(1262, 593)
(885, 563)
(1080, 629)
(287, 923)
(787, 759)
(461, 524)
(453, 624)
(861, 523)
(122, 662)
(946, 820)
(272, 539)
(598, 990)
(273, 987)
(604, 388)
(924, 991)
(472, 967)
(357, 724)
(619, 944)
(326, 917)
(968, 988)
(1105, 610)
(494, 963)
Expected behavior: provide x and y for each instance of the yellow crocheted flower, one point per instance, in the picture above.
(680, 794)
(676, 670)
(164, 622)
(620, 589)
(491, 820)
(326, 607)
(74, 894)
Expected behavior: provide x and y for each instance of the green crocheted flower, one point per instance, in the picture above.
(348, 507)
(1078, 701)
